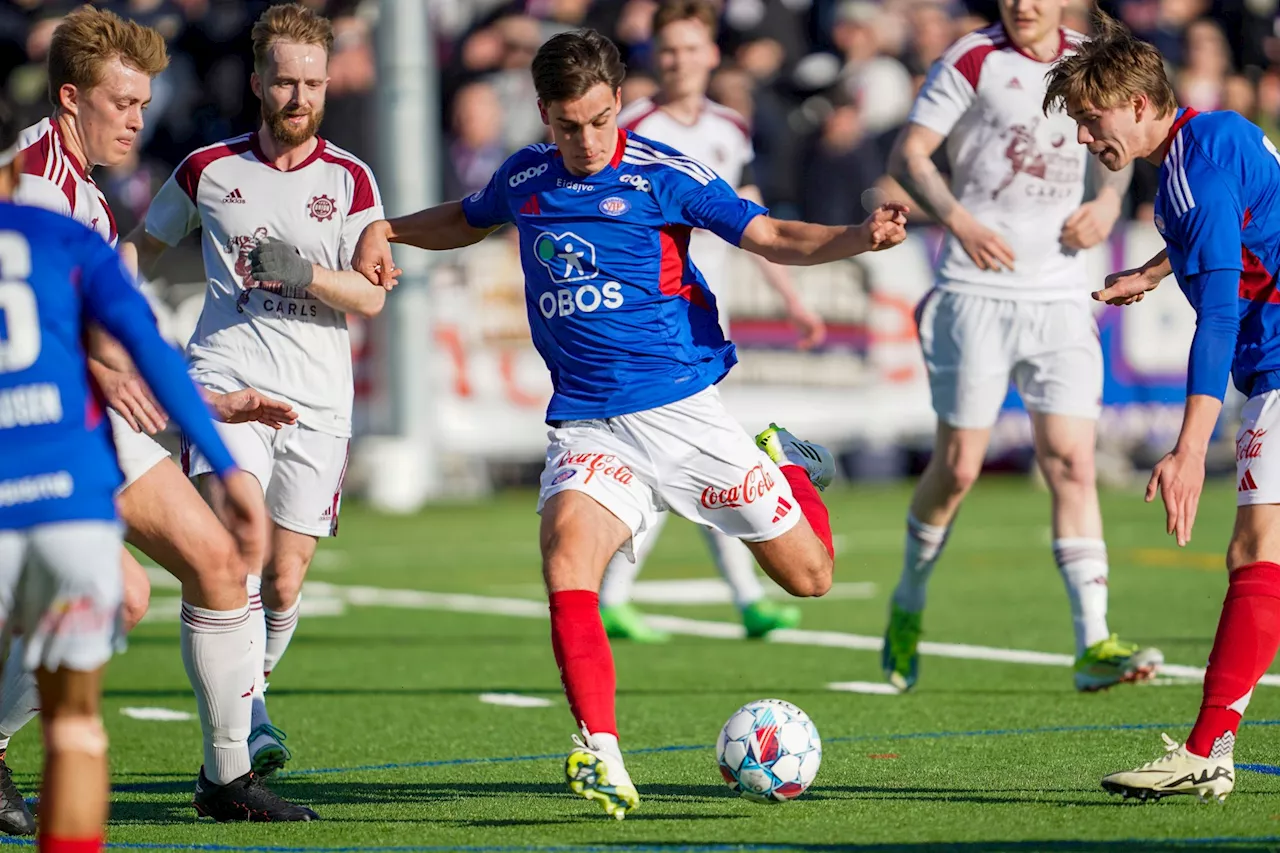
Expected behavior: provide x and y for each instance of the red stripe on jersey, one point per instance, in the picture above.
(35, 157)
(634, 124)
(674, 242)
(970, 65)
(1177, 126)
(362, 197)
(48, 159)
(730, 115)
(620, 149)
(190, 170)
(1256, 284)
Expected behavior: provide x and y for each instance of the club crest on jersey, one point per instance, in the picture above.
(614, 206)
(321, 208)
(1160, 223)
(567, 257)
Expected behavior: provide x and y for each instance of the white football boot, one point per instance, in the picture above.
(1176, 772)
(785, 449)
(595, 771)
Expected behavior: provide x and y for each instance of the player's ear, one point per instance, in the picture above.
(255, 83)
(69, 98)
(617, 101)
(1140, 105)
(542, 111)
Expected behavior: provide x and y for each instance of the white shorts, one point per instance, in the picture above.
(300, 470)
(690, 457)
(974, 345)
(1257, 455)
(60, 587)
(136, 452)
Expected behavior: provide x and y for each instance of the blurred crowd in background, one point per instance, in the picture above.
(825, 84)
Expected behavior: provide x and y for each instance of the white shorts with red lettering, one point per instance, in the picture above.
(690, 457)
(1258, 451)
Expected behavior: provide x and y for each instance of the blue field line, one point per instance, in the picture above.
(511, 759)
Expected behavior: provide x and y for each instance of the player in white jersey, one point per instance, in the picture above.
(1011, 303)
(100, 70)
(280, 211)
(683, 117)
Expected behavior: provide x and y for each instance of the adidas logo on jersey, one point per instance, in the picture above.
(1247, 483)
(783, 509)
(1015, 83)
(233, 197)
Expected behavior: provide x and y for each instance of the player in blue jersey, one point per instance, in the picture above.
(60, 537)
(629, 331)
(1218, 209)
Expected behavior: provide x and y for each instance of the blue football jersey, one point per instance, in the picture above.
(1218, 209)
(619, 313)
(58, 462)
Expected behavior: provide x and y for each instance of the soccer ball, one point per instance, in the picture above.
(769, 751)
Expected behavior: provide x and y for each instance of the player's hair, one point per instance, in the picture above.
(671, 11)
(88, 38)
(293, 23)
(1108, 69)
(569, 64)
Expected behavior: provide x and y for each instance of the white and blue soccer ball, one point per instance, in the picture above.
(769, 751)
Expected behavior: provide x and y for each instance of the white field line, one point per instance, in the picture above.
(158, 715)
(874, 688)
(515, 700)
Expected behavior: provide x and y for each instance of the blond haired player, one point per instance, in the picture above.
(100, 70)
(683, 117)
(280, 211)
(1010, 305)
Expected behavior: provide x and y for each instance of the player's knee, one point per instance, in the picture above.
(221, 567)
(961, 473)
(135, 599)
(281, 589)
(810, 577)
(78, 730)
(1071, 469)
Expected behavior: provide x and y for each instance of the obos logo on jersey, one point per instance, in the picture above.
(569, 259)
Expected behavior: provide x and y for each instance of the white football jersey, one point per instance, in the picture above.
(720, 139)
(53, 179)
(1017, 171)
(282, 341)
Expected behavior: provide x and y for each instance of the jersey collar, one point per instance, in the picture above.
(1183, 116)
(256, 146)
(1063, 44)
(620, 150)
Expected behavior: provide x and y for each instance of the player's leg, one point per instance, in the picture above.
(15, 817)
(620, 617)
(1059, 375)
(737, 565)
(593, 502)
(966, 341)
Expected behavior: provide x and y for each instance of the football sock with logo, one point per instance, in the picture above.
(815, 511)
(217, 652)
(1083, 565)
(258, 625)
(923, 548)
(585, 659)
(280, 627)
(621, 573)
(19, 696)
(736, 565)
(1246, 643)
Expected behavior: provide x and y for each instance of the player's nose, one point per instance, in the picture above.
(1082, 135)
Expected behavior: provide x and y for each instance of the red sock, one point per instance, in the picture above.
(1246, 643)
(811, 504)
(585, 659)
(53, 844)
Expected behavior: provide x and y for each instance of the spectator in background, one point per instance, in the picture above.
(774, 141)
(932, 31)
(1268, 106)
(732, 86)
(521, 122)
(28, 85)
(878, 84)
(350, 102)
(637, 85)
(840, 163)
(475, 149)
(1202, 83)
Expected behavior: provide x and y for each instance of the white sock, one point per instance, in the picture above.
(218, 653)
(1083, 565)
(19, 696)
(924, 546)
(736, 565)
(620, 575)
(280, 627)
(259, 626)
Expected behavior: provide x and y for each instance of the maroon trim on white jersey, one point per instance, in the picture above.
(256, 147)
(48, 158)
(190, 170)
(362, 197)
(732, 116)
(969, 53)
(643, 107)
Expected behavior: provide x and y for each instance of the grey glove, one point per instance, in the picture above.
(276, 260)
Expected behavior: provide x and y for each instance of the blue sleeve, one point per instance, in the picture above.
(111, 300)
(1215, 296)
(489, 207)
(702, 200)
(1208, 222)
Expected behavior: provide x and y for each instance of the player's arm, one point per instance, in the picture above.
(794, 243)
(810, 326)
(438, 228)
(344, 290)
(1091, 222)
(1130, 286)
(145, 248)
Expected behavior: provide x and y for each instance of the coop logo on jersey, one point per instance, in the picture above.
(528, 174)
(636, 181)
(614, 206)
(567, 257)
(321, 208)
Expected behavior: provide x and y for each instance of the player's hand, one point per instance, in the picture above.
(1179, 478)
(248, 405)
(1128, 287)
(276, 260)
(244, 512)
(808, 324)
(1090, 224)
(886, 227)
(129, 395)
(987, 248)
(372, 257)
